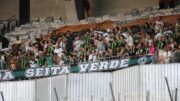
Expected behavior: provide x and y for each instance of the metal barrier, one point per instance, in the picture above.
(138, 83)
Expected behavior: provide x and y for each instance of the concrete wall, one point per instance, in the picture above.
(9, 8)
(38, 8)
(44, 8)
(70, 8)
(112, 7)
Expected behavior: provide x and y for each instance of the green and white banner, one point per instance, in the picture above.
(99, 66)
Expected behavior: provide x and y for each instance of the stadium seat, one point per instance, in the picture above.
(5, 23)
(91, 20)
(83, 21)
(49, 19)
(135, 12)
(148, 9)
(42, 19)
(105, 17)
(98, 19)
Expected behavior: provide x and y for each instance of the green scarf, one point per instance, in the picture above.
(114, 46)
(160, 45)
(41, 61)
(119, 42)
(146, 50)
(86, 40)
(50, 50)
(23, 63)
(140, 51)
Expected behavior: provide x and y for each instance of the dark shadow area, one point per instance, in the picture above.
(24, 11)
(80, 9)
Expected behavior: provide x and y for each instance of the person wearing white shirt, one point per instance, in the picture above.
(125, 35)
(167, 53)
(34, 63)
(92, 56)
(62, 44)
(2, 62)
(77, 44)
(129, 39)
(58, 50)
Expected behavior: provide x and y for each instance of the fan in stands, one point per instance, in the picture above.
(92, 42)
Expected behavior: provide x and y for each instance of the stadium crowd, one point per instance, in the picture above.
(154, 38)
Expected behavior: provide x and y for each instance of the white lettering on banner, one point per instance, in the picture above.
(87, 67)
(97, 66)
(39, 72)
(103, 65)
(124, 63)
(114, 64)
(29, 73)
(142, 60)
(94, 67)
(83, 67)
(55, 70)
(47, 71)
(64, 70)
(1, 73)
(6, 75)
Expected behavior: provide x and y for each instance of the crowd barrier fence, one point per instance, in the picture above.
(137, 83)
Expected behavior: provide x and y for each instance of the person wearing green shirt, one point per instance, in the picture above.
(113, 46)
(49, 59)
(41, 61)
(87, 39)
(50, 49)
(119, 42)
(160, 45)
(23, 63)
(142, 50)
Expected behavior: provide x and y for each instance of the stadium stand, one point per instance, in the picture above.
(49, 41)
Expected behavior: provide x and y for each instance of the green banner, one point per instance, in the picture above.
(98, 66)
